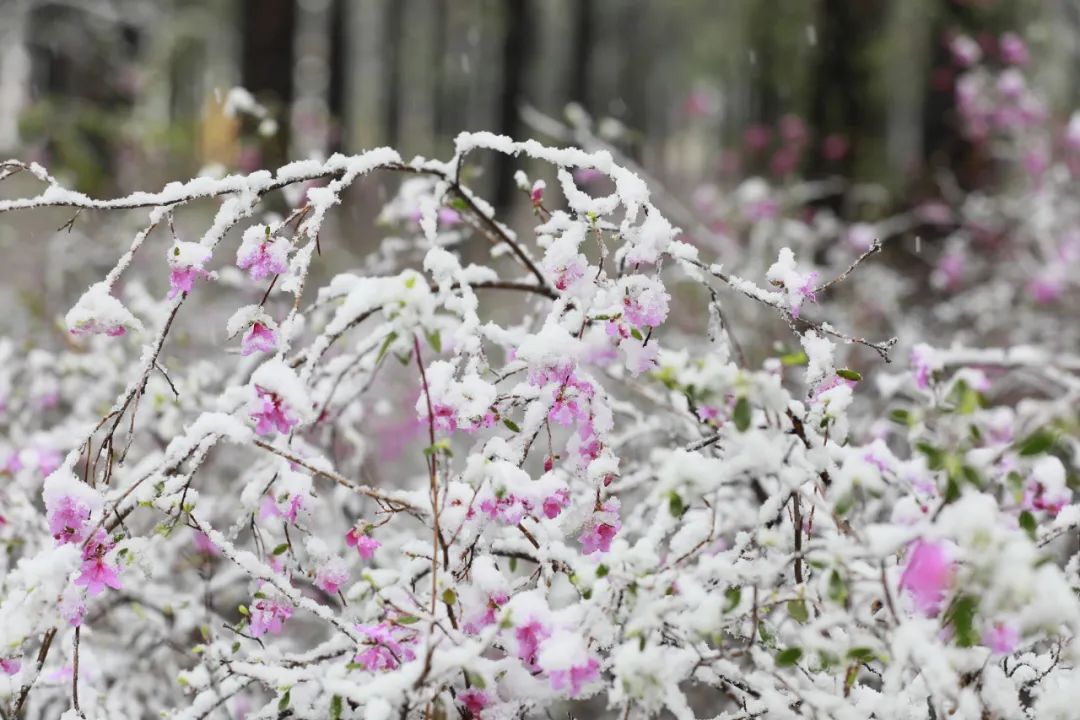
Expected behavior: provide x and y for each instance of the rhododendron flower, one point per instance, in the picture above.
(272, 413)
(268, 615)
(556, 502)
(927, 575)
(601, 528)
(529, 636)
(1002, 638)
(924, 363)
(1013, 50)
(258, 338)
(473, 701)
(389, 645)
(644, 302)
(287, 508)
(186, 261)
(97, 574)
(332, 575)
(487, 617)
(364, 543)
(640, 357)
(68, 519)
(261, 254)
(204, 544)
(10, 666)
(576, 677)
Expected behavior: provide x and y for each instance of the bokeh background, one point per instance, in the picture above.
(115, 95)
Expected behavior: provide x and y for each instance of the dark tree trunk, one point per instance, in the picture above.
(514, 54)
(267, 66)
(583, 41)
(391, 44)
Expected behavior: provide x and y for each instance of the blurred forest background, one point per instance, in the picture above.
(117, 95)
(695, 90)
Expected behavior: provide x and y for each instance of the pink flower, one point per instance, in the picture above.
(261, 254)
(186, 262)
(803, 293)
(258, 338)
(645, 304)
(72, 606)
(575, 677)
(965, 51)
(272, 414)
(927, 575)
(444, 417)
(204, 545)
(388, 645)
(96, 573)
(923, 365)
(1046, 288)
(832, 382)
(331, 576)
(68, 520)
(495, 601)
(10, 666)
(536, 194)
(183, 280)
(1013, 50)
(835, 147)
(757, 137)
(1001, 637)
(364, 543)
(449, 217)
(529, 636)
(568, 275)
(287, 509)
(601, 529)
(267, 616)
(473, 701)
(949, 273)
(640, 357)
(556, 502)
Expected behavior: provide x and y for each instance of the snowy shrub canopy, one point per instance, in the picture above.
(491, 474)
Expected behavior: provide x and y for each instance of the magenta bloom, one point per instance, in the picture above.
(805, 292)
(575, 677)
(529, 636)
(555, 503)
(927, 575)
(647, 308)
(602, 528)
(267, 616)
(331, 576)
(96, 573)
(204, 544)
(1002, 638)
(68, 520)
(1013, 50)
(262, 255)
(364, 543)
(258, 338)
(388, 646)
(10, 666)
(273, 414)
(473, 701)
(182, 280)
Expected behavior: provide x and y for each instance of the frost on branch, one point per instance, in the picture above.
(561, 476)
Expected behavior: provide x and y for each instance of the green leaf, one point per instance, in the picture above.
(285, 700)
(732, 596)
(459, 204)
(385, 347)
(407, 620)
(789, 657)
(1027, 522)
(449, 596)
(636, 334)
(900, 417)
(794, 358)
(281, 548)
(242, 609)
(513, 426)
(335, 708)
(935, 457)
(601, 570)
(838, 591)
(434, 340)
(962, 618)
(1038, 442)
(675, 504)
(861, 654)
(742, 414)
(849, 374)
(797, 610)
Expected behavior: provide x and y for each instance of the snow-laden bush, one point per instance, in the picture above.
(433, 488)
